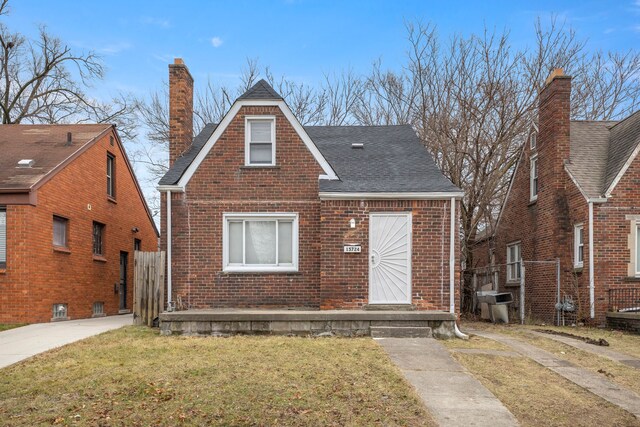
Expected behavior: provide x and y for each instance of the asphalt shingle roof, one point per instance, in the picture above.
(181, 164)
(599, 150)
(392, 160)
(46, 145)
(261, 90)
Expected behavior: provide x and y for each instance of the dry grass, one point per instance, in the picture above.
(535, 395)
(133, 377)
(7, 326)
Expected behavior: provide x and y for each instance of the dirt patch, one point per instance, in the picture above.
(600, 341)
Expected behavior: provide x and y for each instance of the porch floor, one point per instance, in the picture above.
(306, 322)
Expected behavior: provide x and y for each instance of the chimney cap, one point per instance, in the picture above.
(178, 61)
(556, 72)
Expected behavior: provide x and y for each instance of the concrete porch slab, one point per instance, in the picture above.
(300, 322)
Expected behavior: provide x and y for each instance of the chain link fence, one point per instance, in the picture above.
(535, 290)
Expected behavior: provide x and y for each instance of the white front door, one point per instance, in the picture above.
(390, 258)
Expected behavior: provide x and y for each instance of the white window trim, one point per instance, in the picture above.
(509, 246)
(227, 217)
(636, 228)
(247, 138)
(576, 245)
(534, 160)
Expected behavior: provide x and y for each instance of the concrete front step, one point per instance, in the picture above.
(401, 332)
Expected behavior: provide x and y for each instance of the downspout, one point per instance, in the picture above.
(169, 303)
(592, 292)
(452, 269)
(452, 258)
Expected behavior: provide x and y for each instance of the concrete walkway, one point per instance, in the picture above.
(611, 392)
(625, 359)
(21, 343)
(452, 395)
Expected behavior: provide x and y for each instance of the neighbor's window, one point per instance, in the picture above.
(513, 262)
(60, 231)
(3, 237)
(59, 311)
(578, 245)
(534, 178)
(260, 242)
(533, 140)
(111, 179)
(98, 239)
(637, 245)
(137, 244)
(260, 137)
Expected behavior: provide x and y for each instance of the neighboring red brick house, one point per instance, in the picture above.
(71, 213)
(264, 212)
(574, 196)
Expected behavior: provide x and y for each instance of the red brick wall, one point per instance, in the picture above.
(222, 184)
(40, 276)
(345, 276)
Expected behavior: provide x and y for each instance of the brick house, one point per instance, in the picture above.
(259, 211)
(71, 215)
(574, 196)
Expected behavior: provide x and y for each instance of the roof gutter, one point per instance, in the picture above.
(391, 195)
(171, 188)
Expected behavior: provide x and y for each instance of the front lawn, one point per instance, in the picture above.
(133, 377)
(7, 326)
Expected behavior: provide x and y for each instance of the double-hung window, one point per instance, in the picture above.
(513, 262)
(578, 245)
(98, 239)
(260, 242)
(533, 182)
(260, 141)
(533, 142)
(3, 237)
(111, 178)
(60, 231)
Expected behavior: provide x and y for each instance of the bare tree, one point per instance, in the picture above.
(43, 81)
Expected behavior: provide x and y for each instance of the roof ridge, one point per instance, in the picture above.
(626, 118)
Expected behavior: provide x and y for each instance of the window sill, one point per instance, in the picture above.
(512, 283)
(577, 269)
(99, 258)
(3, 271)
(61, 249)
(260, 167)
(59, 319)
(533, 202)
(112, 200)
(263, 272)
(626, 279)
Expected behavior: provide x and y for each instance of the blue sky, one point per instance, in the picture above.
(301, 39)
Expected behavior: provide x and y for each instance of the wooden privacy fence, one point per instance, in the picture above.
(148, 279)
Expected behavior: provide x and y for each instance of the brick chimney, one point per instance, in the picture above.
(554, 114)
(180, 109)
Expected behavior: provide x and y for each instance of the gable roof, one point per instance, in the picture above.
(392, 160)
(261, 90)
(46, 145)
(181, 164)
(600, 153)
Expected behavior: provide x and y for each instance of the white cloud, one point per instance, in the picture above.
(216, 41)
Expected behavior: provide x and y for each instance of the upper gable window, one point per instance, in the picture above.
(533, 143)
(111, 169)
(533, 179)
(260, 141)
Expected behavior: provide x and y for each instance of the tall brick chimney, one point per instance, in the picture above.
(180, 109)
(554, 116)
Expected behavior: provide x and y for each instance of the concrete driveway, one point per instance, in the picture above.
(21, 343)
